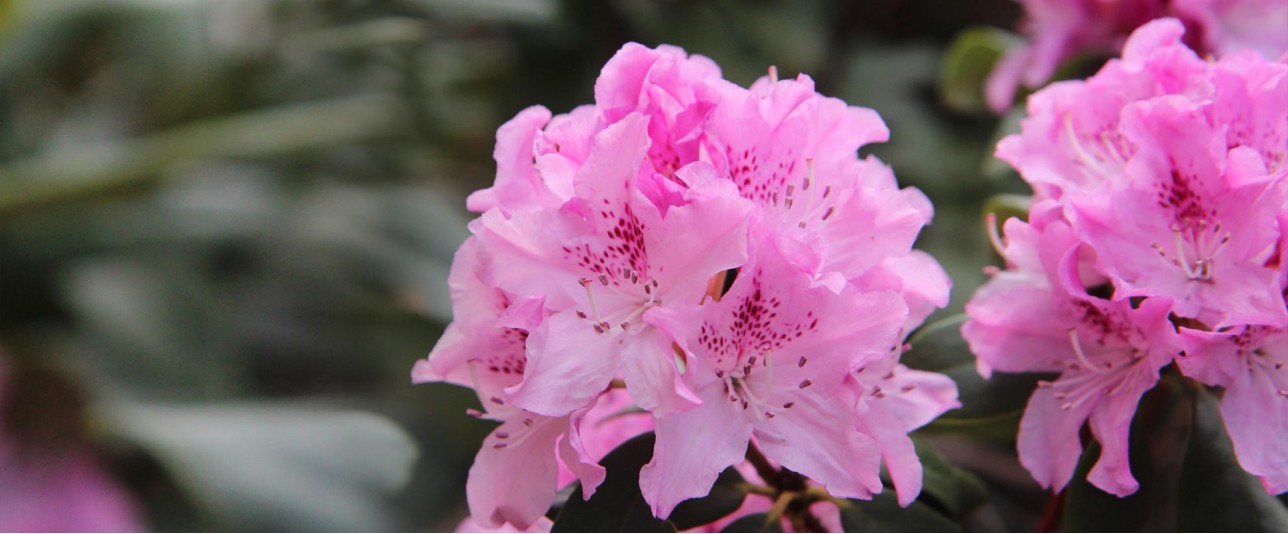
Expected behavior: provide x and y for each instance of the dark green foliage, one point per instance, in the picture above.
(754, 523)
(883, 514)
(618, 506)
(990, 408)
(1216, 495)
(947, 488)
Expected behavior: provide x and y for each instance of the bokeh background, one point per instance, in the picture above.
(226, 227)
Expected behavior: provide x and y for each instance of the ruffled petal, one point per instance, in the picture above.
(680, 470)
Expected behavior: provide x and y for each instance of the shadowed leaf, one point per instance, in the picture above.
(883, 514)
(617, 505)
(1216, 494)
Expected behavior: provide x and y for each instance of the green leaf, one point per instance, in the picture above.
(1157, 444)
(947, 487)
(967, 64)
(277, 468)
(754, 523)
(883, 514)
(617, 505)
(1088, 509)
(990, 408)
(725, 498)
(1216, 494)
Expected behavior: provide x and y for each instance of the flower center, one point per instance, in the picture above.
(1091, 380)
(1196, 246)
(630, 281)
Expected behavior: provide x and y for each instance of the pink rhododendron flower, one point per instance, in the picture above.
(1160, 182)
(484, 348)
(600, 262)
(1227, 26)
(1060, 30)
(1250, 364)
(765, 361)
(891, 400)
(1037, 317)
(605, 246)
(1209, 218)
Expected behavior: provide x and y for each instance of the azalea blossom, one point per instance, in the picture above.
(1156, 235)
(614, 234)
(1037, 317)
(765, 361)
(1250, 363)
(484, 349)
(600, 262)
(891, 400)
(1060, 30)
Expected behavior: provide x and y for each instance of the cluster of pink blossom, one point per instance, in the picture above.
(692, 257)
(1064, 29)
(1158, 233)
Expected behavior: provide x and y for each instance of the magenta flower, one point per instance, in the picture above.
(1228, 26)
(1060, 30)
(765, 361)
(484, 349)
(1161, 183)
(791, 151)
(1172, 169)
(1037, 317)
(667, 86)
(600, 262)
(604, 248)
(1208, 218)
(891, 400)
(1250, 364)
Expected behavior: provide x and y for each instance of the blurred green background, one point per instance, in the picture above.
(226, 226)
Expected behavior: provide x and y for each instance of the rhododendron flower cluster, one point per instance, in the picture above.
(708, 261)
(1157, 235)
(1060, 30)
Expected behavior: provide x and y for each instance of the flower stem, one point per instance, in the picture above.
(780, 505)
(767, 471)
(1051, 515)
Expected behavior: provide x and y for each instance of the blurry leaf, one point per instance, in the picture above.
(98, 171)
(725, 498)
(524, 11)
(1216, 493)
(1156, 441)
(992, 167)
(967, 64)
(409, 234)
(1089, 509)
(1005, 206)
(279, 468)
(990, 408)
(391, 30)
(617, 505)
(898, 81)
(946, 486)
(754, 523)
(883, 514)
(164, 330)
